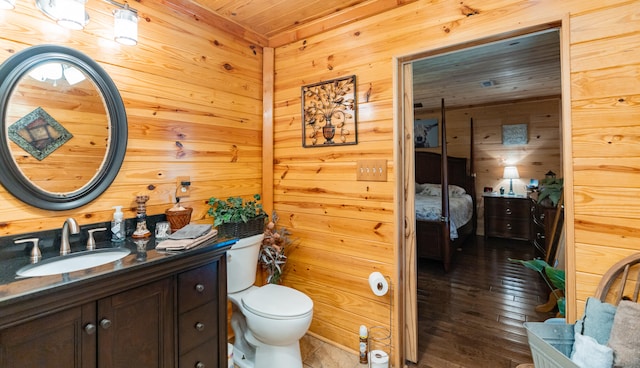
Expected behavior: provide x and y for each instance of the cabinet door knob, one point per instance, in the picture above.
(508, 226)
(90, 328)
(200, 326)
(105, 323)
(508, 211)
(199, 288)
(199, 365)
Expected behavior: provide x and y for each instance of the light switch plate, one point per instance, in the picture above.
(371, 170)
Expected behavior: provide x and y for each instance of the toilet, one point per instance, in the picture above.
(268, 321)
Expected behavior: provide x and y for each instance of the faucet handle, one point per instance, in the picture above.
(91, 243)
(35, 251)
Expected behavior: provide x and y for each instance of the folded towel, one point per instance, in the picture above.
(625, 335)
(184, 244)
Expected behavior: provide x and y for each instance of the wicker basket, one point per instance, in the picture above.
(178, 218)
(240, 230)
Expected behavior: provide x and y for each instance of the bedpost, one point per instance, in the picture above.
(472, 178)
(444, 167)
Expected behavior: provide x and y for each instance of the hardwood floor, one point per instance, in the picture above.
(471, 317)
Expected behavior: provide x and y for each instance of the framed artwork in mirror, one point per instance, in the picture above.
(329, 113)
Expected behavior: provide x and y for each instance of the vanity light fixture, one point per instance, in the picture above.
(511, 172)
(125, 24)
(7, 4)
(67, 13)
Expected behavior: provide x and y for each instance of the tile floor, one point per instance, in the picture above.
(319, 354)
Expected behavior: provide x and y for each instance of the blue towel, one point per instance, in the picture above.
(597, 320)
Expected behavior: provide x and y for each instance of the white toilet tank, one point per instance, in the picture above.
(242, 263)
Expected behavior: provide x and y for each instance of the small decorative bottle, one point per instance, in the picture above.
(364, 345)
(118, 231)
(141, 218)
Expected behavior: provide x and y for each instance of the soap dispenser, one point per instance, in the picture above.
(118, 231)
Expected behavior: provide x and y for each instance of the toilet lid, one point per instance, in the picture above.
(276, 301)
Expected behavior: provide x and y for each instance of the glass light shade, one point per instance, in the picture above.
(46, 71)
(7, 4)
(71, 13)
(73, 75)
(125, 26)
(511, 172)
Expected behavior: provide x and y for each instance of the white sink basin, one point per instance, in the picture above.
(73, 262)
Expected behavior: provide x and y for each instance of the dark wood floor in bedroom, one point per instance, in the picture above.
(471, 317)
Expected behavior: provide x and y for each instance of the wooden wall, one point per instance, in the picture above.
(347, 227)
(541, 153)
(193, 97)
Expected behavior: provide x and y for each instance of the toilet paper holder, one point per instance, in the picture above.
(380, 336)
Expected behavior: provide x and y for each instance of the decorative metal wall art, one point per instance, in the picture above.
(329, 113)
(514, 134)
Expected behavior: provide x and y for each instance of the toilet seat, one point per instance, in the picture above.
(278, 302)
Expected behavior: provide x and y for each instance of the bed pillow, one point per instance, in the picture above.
(598, 319)
(436, 190)
(420, 187)
(625, 335)
(431, 189)
(456, 191)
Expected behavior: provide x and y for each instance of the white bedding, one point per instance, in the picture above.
(428, 207)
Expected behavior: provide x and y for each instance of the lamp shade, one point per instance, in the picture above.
(510, 172)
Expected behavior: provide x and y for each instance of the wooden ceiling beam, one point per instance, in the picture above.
(213, 19)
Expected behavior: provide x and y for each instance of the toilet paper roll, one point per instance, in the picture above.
(379, 359)
(378, 284)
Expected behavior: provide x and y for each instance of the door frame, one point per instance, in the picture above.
(405, 190)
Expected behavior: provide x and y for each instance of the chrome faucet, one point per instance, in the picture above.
(69, 225)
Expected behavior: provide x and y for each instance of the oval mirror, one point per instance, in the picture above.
(64, 127)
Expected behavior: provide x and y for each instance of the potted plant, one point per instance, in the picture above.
(236, 218)
(550, 190)
(553, 277)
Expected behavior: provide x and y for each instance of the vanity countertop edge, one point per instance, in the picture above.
(20, 300)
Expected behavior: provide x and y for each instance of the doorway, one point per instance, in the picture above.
(417, 102)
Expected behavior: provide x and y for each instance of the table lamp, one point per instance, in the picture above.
(511, 172)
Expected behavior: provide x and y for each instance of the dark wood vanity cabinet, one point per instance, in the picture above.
(177, 320)
(507, 217)
(130, 329)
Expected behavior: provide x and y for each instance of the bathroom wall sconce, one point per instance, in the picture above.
(7, 4)
(125, 24)
(67, 13)
(71, 14)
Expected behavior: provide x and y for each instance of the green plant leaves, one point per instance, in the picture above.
(234, 209)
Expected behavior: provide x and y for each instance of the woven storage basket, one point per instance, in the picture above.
(178, 218)
(252, 227)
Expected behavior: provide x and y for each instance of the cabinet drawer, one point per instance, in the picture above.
(197, 287)
(206, 355)
(508, 228)
(508, 207)
(198, 326)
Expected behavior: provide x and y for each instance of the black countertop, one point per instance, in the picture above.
(143, 254)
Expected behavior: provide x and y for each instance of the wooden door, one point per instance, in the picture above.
(136, 327)
(63, 339)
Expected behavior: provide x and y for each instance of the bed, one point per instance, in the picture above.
(444, 218)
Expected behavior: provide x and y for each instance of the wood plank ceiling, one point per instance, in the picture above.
(515, 69)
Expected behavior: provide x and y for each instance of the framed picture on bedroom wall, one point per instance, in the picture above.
(425, 133)
(515, 134)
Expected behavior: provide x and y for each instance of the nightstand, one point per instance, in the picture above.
(507, 217)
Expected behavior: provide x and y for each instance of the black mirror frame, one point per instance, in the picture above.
(11, 71)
